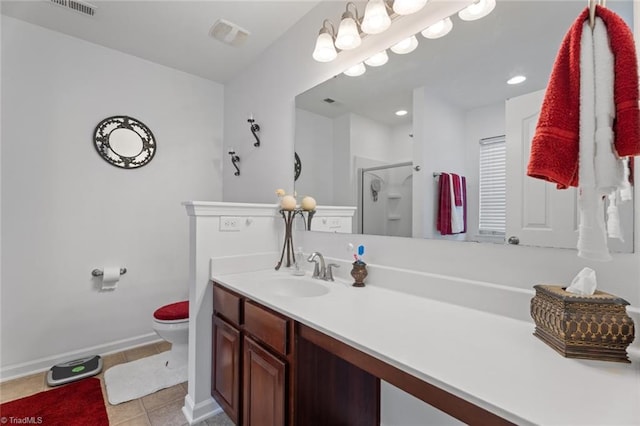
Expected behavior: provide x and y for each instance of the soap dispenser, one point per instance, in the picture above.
(296, 267)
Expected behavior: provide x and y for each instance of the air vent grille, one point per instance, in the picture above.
(77, 6)
(229, 33)
(328, 100)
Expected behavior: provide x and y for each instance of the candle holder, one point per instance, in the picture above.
(359, 273)
(287, 246)
(306, 220)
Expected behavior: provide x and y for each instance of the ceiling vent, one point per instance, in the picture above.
(229, 33)
(328, 100)
(77, 6)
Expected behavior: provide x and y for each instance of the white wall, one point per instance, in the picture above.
(441, 134)
(342, 194)
(402, 143)
(480, 123)
(65, 211)
(315, 133)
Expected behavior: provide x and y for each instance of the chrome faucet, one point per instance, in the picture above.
(321, 271)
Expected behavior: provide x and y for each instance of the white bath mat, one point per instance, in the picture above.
(141, 377)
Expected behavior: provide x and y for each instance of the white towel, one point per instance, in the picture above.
(592, 237)
(457, 212)
(609, 170)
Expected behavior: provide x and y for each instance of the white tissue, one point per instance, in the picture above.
(584, 283)
(110, 278)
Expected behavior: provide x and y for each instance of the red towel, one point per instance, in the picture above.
(554, 148)
(457, 192)
(443, 222)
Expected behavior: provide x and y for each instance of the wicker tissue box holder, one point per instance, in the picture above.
(589, 327)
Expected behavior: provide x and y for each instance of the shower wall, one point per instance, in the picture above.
(387, 200)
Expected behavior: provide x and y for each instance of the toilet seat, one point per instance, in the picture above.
(173, 313)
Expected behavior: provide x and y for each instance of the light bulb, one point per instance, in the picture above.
(324, 51)
(378, 59)
(439, 29)
(376, 19)
(348, 36)
(405, 46)
(407, 7)
(477, 10)
(356, 70)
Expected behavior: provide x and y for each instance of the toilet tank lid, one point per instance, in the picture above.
(173, 311)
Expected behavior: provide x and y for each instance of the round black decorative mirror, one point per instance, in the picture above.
(124, 142)
(297, 166)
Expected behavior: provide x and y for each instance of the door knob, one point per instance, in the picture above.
(514, 240)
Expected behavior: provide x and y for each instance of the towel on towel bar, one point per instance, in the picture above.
(555, 145)
(452, 204)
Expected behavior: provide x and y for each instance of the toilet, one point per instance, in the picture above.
(171, 322)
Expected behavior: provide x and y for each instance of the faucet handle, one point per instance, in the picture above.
(330, 271)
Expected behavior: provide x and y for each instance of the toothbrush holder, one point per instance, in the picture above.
(359, 273)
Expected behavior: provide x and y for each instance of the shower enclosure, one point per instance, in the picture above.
(385, 199)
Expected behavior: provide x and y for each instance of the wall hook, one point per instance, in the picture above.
(235, 159)
(255, 128)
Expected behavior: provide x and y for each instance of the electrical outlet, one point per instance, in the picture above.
(229, 223)
(334, 222)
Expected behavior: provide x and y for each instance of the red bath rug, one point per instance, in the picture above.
(76, 404)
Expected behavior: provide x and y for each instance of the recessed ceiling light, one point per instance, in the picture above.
(516, 79)
(402, 112)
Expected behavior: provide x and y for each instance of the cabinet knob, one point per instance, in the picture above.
(514, 240)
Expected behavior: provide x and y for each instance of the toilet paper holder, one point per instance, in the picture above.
(99, 272)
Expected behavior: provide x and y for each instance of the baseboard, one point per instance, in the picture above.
(197, 413)
(43, 364)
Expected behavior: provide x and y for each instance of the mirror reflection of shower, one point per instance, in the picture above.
(385, 199)
(375, 188)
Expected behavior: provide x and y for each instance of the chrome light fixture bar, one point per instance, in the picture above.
(377, 18)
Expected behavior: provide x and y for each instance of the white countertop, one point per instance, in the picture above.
(492, 361)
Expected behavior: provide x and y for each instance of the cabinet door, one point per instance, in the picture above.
(225, 383)
(264, 386)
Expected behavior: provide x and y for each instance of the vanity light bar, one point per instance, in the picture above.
(376, 20)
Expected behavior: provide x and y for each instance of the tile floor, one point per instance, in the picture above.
(163, 408)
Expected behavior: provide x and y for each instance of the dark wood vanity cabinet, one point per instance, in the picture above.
(264, 373)
(225, 384)
(251, 357)
(264, 384)
(268, 370)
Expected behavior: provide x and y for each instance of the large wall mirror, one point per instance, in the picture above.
(358, 152)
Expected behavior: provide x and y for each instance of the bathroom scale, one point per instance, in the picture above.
(71, 371)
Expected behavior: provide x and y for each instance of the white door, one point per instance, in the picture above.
(538, 214)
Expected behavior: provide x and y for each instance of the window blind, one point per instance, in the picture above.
(493, 179)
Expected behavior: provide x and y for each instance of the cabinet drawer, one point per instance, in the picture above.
(226, 304)
(267, 326)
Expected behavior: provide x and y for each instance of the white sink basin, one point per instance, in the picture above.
(297, 287)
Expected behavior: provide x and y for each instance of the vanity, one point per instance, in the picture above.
(292, 350)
